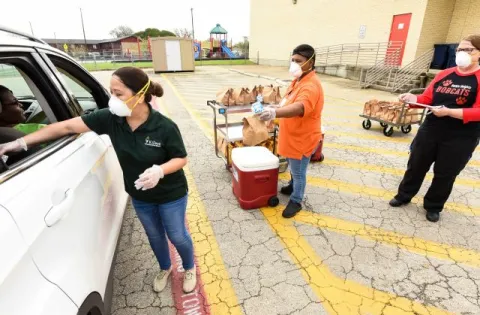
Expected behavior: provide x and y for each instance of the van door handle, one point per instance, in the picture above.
(61, 205)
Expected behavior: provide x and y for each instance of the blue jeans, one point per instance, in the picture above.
(298, 171)
(162, 220)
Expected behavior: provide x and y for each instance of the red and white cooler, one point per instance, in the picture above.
(255, 177)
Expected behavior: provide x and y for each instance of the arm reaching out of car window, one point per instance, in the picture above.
(50, 132)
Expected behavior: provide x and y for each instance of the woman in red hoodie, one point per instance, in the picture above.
(450, 135)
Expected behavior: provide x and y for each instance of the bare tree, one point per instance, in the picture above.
(183, 32)
(121, 31)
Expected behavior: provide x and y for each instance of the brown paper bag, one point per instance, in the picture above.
(367, 108)
(271, 95)
(241, 96)
(254, 131)
(253, 92)
(225, 97)
(222, 145)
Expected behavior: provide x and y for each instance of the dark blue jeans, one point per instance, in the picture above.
(162, 220)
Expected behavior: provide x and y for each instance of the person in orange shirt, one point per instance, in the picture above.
(300, 124)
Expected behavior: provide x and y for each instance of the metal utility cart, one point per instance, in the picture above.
(231, 131)
(400, 123)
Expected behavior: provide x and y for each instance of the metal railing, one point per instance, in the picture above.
(361, 54)
(412, 71)
(383, 69)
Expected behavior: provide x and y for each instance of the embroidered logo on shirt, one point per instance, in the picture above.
(152, 143)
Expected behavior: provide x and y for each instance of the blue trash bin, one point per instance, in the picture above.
(440, 56)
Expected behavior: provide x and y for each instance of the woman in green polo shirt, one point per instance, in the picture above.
(151, 153)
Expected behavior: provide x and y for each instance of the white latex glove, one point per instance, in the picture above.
(268, 113)
(14, 146)
(408, 98)
(149, 178)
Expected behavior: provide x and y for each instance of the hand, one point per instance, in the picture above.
(268, 114)
(441, 111)
(14, 146)
(408, 98)
(149, 178)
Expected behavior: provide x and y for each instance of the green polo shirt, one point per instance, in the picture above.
(156, 141)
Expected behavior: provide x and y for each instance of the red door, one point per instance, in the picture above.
(398, 38)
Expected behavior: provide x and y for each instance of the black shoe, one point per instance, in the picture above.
(433, 216)
(292, 209)
(287, 190)
(397, 203)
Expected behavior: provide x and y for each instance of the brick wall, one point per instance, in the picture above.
(277, 26)
(465, 20)
(436, 24)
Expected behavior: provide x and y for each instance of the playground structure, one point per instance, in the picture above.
(219, 43)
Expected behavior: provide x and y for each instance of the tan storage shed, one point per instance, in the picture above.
(172, 54)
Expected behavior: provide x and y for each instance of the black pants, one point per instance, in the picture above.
(450, 155)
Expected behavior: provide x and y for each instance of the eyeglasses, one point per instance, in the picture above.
(467, 50)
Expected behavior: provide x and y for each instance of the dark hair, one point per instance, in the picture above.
(135, 79)
(3, 91)
(306, 51)
(474, 39)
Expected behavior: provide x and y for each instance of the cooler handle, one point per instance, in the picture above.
(262, 178)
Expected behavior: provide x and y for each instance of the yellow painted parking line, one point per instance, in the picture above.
(357, 135)
(369, 137)
(410, 243)
(355, 189)
(206, 126)
(380, 151)
(392, 171)
(338, 296)
(216, 280)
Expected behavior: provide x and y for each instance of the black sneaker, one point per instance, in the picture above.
(287, 190)
(397, 203)
(292, 209)
(433, 216)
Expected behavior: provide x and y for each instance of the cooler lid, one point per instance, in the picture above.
(250, 159)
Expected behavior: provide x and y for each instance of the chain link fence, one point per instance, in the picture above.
(114, 59)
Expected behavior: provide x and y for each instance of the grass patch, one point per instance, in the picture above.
(102, 66)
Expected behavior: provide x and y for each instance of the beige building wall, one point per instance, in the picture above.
(436, 24)
(276, 27)
(465, 20)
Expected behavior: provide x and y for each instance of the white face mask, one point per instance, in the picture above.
(118, 107)
(463, 59)
(295, 70)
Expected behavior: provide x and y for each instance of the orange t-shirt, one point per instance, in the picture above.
(299, 136)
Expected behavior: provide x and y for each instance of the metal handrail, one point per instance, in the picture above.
(383, 68)
(414, 69)
(357, 54)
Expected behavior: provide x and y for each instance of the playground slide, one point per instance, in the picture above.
(228, 51)
(197, 50)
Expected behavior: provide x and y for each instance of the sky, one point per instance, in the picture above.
(101, 16)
